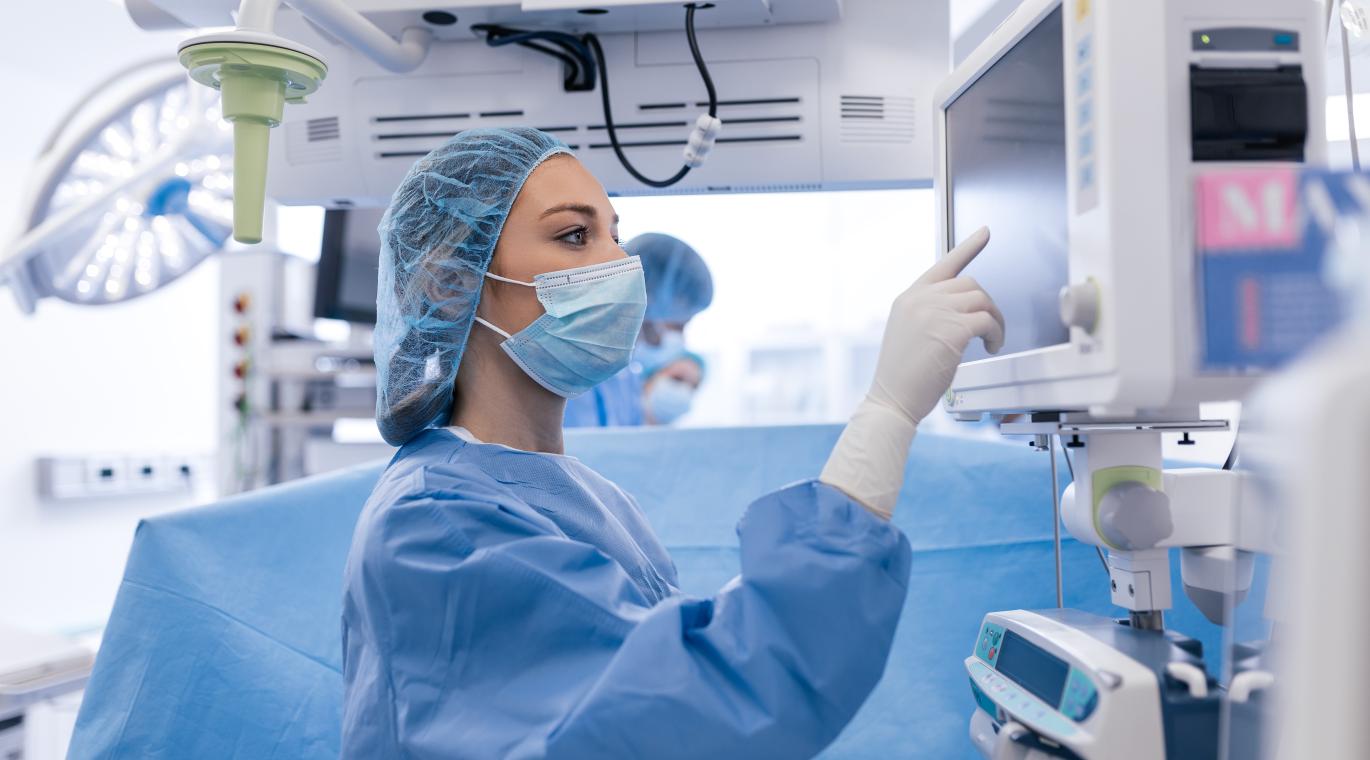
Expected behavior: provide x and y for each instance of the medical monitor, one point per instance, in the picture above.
(1082, 134)
(348, 265)
(1006, 169)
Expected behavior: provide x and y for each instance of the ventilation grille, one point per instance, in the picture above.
(406, 136)
(878, 119)
(315, 141)
(322, 129)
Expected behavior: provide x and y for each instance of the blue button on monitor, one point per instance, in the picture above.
(987, 646)
(1284, 39)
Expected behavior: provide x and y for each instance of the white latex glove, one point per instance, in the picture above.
(929, 327)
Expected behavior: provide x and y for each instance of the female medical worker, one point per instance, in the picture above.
(502, 600)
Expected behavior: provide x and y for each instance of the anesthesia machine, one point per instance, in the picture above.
(1139, 166)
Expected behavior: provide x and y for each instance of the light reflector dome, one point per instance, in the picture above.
(144, 233)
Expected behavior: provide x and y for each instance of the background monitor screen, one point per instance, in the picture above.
(1006, 170)
(348, 265)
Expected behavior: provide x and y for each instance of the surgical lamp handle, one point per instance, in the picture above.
(345, 23)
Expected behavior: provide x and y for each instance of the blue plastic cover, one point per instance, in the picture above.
(225, 638)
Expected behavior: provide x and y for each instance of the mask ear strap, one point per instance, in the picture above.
(506, 335)
(494, 276)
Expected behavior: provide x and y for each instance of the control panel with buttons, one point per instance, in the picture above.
(1026, 683)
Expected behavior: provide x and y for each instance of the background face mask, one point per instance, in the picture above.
(670, 348)
(669, 399)
(593, 317)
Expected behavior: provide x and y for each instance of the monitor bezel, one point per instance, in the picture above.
(1060, 361)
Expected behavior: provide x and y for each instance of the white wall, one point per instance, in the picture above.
(808, 276)
(136, 378)
(965, 13)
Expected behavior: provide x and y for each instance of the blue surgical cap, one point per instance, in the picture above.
(437, 239)
(648, 372)
(678, 282)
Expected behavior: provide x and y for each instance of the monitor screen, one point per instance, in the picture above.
(348, 261)
(1006, 170)
(1033, 668)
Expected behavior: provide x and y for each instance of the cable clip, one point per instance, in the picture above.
(702, 140)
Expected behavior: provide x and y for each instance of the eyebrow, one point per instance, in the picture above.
(579, 208)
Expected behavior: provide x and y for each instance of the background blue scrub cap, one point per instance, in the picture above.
(679, 285)
(437, 239)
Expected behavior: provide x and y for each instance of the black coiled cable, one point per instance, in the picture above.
(593, 42)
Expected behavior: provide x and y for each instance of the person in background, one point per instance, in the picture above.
(669, 389)
(679, 286)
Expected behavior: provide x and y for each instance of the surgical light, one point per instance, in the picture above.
(131, 202)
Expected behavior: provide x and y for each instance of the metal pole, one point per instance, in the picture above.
(1056, 519)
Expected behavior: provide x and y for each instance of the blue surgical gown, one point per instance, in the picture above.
(616, 402)
(507, 604)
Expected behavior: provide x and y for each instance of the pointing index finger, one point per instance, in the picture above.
(956, 260)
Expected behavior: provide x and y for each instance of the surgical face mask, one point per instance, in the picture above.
(671, 346)
(668, 399)
(593, 317)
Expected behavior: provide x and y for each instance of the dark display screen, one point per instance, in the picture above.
(348, 262)
(1032, 668)
(1006, 170)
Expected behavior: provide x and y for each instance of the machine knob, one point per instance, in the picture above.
(1080, 305)
(1133, 515)
(1109, 679)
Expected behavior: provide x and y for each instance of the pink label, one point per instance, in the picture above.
(1247, 209)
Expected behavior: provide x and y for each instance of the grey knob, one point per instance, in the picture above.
(1134, 516)
(1079, 305)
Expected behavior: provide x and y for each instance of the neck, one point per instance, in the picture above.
(499, 403)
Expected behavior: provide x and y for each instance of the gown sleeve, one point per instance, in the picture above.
(502, 637)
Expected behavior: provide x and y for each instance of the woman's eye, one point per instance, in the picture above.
(575, 237)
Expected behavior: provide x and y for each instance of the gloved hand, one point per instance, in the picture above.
(929, 327)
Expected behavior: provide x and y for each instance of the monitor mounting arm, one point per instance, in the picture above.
(1124, 501)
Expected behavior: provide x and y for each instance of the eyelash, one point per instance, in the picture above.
(584, 231)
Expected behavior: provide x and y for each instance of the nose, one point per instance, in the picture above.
(609, 251)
